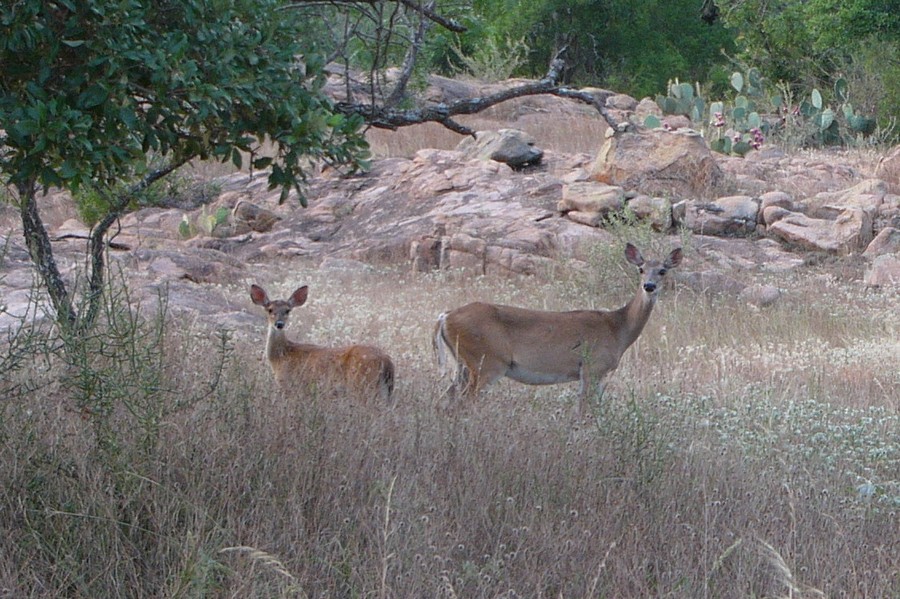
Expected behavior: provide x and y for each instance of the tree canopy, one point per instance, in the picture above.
(90, 87)
(91, 90)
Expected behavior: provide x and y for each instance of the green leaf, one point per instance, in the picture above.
(754, 121)
(652, 121)
(737, 81)
(825, 118)
(816, 99)
(184, 228)
(128, 117)
(841, 90)
(68, 170)
(221, 215)
(741, 148)
(92, 96)
(262, 163)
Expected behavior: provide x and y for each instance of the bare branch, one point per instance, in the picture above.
(427, 11)
(386, 118)
(409, 61)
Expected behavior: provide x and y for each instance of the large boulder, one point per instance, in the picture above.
(729, 216)
(886, 242)
(658, 162)
(849, 232)
(867, 195)
(885, 271)
(588, 202)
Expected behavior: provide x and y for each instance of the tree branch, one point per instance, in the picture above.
(409, 61)
(427, 11)
(386, 118)
(98, 244)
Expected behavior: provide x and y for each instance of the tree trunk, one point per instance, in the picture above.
(38, 243)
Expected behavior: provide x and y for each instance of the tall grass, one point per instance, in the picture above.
(737, 453)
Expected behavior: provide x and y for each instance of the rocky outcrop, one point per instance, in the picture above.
(451, 209)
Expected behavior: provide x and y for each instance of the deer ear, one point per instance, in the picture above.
(674, 258)
(298, 298)
(633, 255)
(258, 295)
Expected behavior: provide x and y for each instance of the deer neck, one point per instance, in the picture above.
(635, 315)
(276, 343)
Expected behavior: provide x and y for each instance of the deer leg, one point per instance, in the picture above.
(591, 385)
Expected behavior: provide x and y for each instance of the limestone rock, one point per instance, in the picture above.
(510, 146)
(867, 195)
(621, 102)
(851, 231)
(774, 199)
(773, 214)
(591, 197)
(886, 242)
(645, 108)
(760, 295)
(658, 162)
(254, 217)
(199, 266)
(885, 271)
(729, 216)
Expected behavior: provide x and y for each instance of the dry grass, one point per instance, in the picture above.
(738, 453)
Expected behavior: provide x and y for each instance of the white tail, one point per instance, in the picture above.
(535, 347)
(362, 370)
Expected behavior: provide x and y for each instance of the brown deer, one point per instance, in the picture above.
(536, 347)
(364, 371)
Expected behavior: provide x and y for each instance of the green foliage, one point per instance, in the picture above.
(681, 99)
(205, 222)
(632, 47)
(815, 42)
(176, 190)
(493, 61)
(90, 88)
(755, 112)
(825, 120)
(872, 71)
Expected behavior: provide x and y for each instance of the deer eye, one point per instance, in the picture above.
(662, 271)
(641, 269)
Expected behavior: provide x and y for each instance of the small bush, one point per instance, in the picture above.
(492, 61)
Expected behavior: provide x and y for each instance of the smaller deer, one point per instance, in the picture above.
(362, 370)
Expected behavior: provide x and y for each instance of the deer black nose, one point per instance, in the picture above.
(279, 324)
(649, 287)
